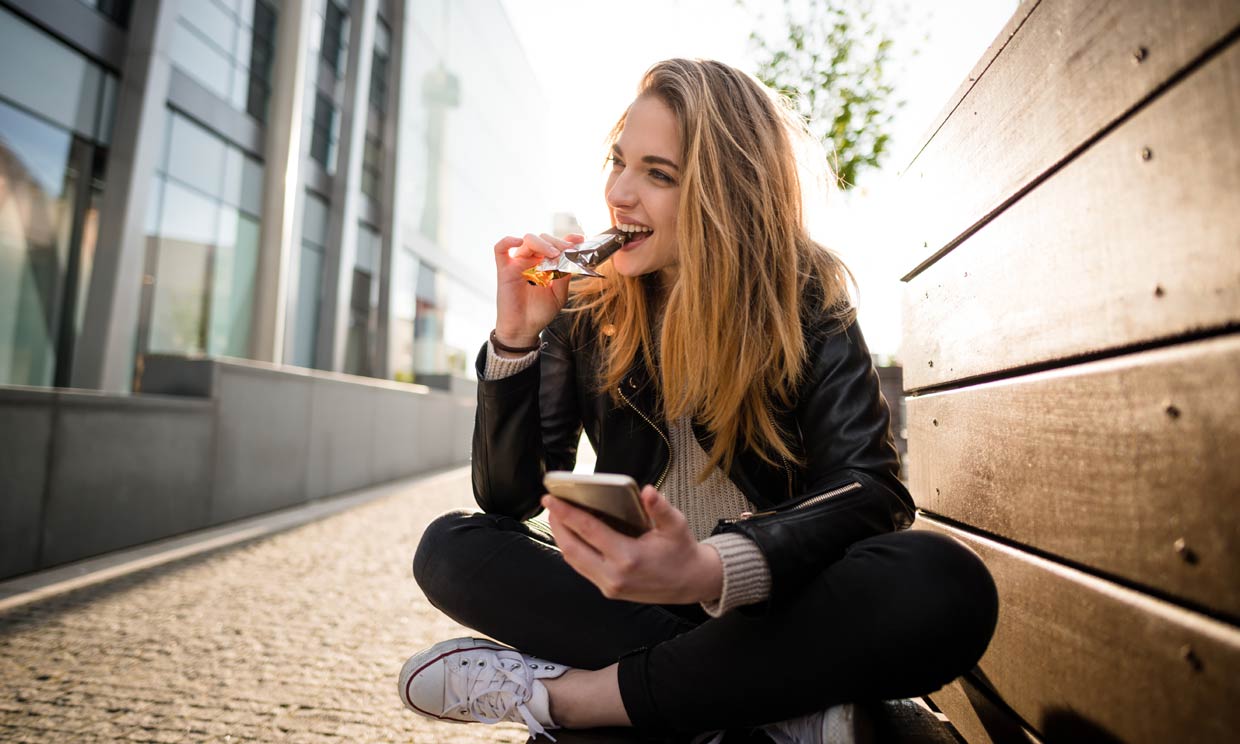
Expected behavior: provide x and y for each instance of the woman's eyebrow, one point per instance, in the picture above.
(652, 159)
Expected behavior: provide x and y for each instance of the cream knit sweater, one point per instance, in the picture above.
(746, 576)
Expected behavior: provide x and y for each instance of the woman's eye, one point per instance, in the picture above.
(659, 175)
(615, 162)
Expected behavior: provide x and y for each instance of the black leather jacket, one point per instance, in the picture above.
(847, 489)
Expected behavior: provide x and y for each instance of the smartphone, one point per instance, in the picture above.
(611, 497)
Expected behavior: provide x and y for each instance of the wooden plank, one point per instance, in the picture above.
(1069, 72)
(1001, 40)
(1125, 465)
(1113, 250)
(977, 718)
(1083, 659)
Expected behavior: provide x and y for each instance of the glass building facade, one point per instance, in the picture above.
(304, 182)
(463, 69)
(202, 244)
(56, 113)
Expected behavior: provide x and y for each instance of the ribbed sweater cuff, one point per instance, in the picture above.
(746, 577)
(498, 367)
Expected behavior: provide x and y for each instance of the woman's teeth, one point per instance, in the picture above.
(633, 229)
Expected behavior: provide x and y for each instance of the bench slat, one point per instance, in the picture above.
(978, 719)
(1047, 94)
(1089, 463)
(1111, 251)
(1073, 655)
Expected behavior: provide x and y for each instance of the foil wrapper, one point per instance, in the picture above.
(582, 259)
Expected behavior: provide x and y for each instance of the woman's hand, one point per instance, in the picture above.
(666, 565)
(523, 310)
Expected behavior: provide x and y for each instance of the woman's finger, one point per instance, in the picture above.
(540, 246)
(505, 244)
(523, 251)
(583, 558)
(588, 528)
(559, 243)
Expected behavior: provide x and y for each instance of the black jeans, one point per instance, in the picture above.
(899, 615)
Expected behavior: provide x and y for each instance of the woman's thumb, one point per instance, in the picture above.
(656, 506)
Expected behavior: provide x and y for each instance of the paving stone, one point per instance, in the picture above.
(296, 638)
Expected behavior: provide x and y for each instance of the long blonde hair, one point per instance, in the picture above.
(731, 344)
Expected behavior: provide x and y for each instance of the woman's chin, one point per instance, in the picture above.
(627, 268)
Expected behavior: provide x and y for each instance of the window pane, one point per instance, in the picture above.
(230, 190)
(335, 36)
(187, 217)
(35, 206)
(314, 221)
(404, 268)
(188, 224)
(117, 10)
(262, 40)
(46, 76)
(200, 60)
(372, 170)
(264, 18)
(251, 186)
(232, 285)
(368, 247)
(196, 156)
(257, 98)
(213, 21)
(428, 357)
(323, 134)
(383, 37)
(378, 81)
(90, 237)
(306, 314)
(107, 110)
(240, 88)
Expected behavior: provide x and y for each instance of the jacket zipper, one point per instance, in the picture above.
(658, 484)
(787, 473)
(812, 501)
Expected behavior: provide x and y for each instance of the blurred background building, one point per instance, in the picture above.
(307, 182)
(210, 212)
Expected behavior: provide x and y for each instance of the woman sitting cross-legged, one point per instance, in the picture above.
(719, 361)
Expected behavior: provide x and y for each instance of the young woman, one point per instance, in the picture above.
(718, 361)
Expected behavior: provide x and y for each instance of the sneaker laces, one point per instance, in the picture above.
(494, 692)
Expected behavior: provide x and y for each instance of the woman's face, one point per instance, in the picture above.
(643, 189)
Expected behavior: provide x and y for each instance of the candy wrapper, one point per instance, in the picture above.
(581, 259)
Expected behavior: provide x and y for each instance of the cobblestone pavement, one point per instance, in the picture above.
(294, 638)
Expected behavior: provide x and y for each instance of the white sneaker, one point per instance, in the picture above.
(475, 680)
(840, 724)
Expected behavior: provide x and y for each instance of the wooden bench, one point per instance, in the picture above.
(1072, 365)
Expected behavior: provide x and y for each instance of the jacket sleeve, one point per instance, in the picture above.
(851, 488)
(525, 424)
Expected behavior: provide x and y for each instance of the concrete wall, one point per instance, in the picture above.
(25, 441)
(124, 471)
(205, 442)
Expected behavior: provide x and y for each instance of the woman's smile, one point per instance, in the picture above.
(637, 234)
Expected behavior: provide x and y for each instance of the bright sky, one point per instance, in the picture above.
(589, 55)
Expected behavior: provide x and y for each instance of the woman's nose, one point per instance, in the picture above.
(619, 193)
